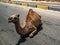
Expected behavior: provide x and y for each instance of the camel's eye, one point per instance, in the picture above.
(15, 18)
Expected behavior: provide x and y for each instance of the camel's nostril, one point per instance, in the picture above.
(10, 18)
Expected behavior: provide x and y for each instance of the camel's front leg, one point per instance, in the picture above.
(33, 32)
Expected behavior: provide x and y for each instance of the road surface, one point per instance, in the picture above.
(48, 35)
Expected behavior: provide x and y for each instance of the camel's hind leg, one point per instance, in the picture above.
(33, 32)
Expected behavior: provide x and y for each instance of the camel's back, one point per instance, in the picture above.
(35, 17)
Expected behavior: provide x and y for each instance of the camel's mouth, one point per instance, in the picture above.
(10, 20)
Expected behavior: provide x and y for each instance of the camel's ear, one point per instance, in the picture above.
(18, 15)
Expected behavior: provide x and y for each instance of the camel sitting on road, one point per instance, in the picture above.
(30, 24)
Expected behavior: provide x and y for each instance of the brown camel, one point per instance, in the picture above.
(29, 26)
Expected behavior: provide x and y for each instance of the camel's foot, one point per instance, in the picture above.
(31, 35)
(33, 32)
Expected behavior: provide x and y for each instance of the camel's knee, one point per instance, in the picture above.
(32, 33)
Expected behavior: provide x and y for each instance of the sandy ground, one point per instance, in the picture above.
(48, 35)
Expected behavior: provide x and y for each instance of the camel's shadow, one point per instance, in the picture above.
(23, 39)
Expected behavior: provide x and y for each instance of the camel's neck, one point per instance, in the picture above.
(18, 28)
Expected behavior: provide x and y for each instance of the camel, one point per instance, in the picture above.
(29, 25)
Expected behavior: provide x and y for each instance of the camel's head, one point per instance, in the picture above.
(13, 18)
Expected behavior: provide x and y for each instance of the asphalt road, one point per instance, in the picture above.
(48, 35)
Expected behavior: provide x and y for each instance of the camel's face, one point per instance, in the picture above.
(13, 18)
